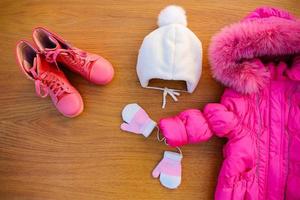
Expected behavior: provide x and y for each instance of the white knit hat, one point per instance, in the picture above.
(171, 52)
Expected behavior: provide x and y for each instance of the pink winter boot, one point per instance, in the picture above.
(49, 80)
(92, 67)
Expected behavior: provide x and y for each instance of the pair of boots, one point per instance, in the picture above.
(42, 62)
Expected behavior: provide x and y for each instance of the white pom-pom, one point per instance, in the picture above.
(172, 15)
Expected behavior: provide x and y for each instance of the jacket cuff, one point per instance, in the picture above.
(174, 131)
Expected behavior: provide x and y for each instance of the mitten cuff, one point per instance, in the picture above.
(149, 128)
(173, 156)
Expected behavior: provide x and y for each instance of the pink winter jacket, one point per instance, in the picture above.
(258, 59)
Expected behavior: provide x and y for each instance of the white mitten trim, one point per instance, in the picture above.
(149, 128)
(173, 155)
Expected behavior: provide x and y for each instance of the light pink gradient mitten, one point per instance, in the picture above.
(169, 170)
(137, 120)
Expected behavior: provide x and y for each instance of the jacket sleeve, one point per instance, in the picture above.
(193, 126)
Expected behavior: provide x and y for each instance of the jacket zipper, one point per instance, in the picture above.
(289, 140)
(282, 145)
(258, 141)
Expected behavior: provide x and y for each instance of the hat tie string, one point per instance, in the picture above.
(167, 91)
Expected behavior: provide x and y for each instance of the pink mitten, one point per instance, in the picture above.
(169, 170)
(137, 120)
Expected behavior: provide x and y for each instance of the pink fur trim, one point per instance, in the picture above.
(234, 52)
(265, 12)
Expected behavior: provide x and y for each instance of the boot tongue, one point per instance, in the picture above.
(55, 42)
(53, 52)
(27, 65)
(31, 68)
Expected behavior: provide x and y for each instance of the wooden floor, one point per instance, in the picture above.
(44, 155)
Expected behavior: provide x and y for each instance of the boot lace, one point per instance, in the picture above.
(50, 82)
(74, 57)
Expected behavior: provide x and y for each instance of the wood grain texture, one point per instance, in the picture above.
(44, 155)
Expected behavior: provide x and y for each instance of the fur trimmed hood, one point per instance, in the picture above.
(236, 54)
